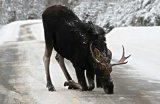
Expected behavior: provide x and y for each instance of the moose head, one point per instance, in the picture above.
(102, 58)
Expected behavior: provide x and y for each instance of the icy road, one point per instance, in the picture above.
(22, 75)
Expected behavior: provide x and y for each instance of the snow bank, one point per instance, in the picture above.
(10, 31)
(37, 31)
(143, 43)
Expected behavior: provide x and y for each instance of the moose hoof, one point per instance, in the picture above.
(109, 90)
(51, 88)
(72, 85)
(90, 88)
(85, 89)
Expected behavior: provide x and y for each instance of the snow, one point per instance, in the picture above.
(37, 30)
(116, 12)
(10, 31)
(119, 12)
(143, 43)
(12, 10)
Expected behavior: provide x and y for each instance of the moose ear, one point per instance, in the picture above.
(90, 27)
(109, 54)
(90, 22)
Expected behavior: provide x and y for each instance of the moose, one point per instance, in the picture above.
(83, 44)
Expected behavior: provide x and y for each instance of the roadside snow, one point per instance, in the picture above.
(37, 31)
(10, 31)
(143, 43)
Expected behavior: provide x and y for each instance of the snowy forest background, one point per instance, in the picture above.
(106, 13)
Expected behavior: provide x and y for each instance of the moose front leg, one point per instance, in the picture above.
(98, 82)
(70, 83)
(81, 78)
(90, 77)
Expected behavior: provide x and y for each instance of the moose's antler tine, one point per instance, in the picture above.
(123, 58)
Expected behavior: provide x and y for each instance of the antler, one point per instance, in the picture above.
(98, 61)
(123, 58)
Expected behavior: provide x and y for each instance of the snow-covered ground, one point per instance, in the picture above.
(141, 42)
(10, 31)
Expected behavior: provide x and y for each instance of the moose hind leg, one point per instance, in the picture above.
(46, 59)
